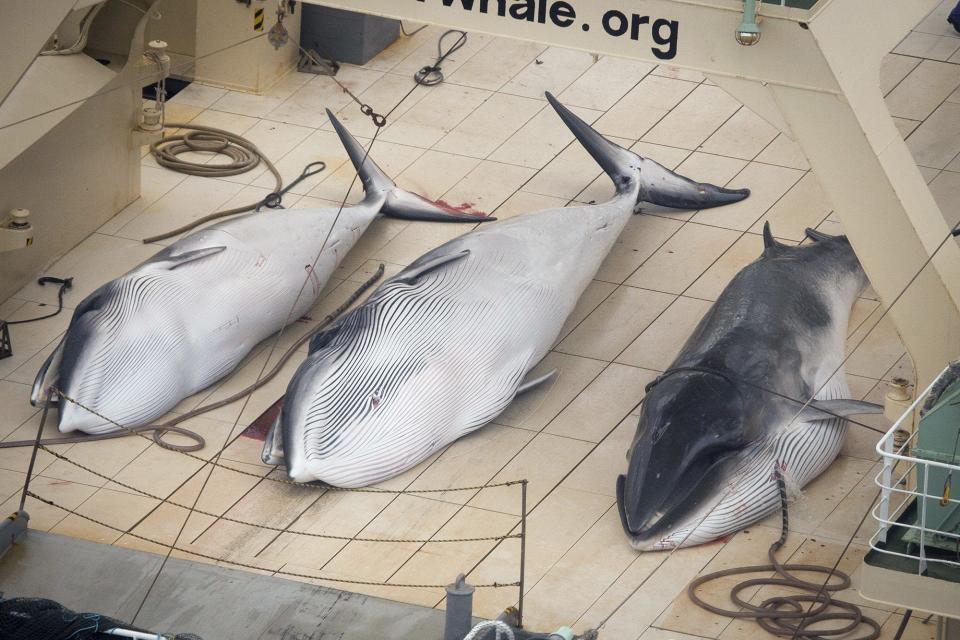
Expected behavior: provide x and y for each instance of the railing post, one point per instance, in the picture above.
(33, 455)
(523, 549)
(886, 487)
(923, 518)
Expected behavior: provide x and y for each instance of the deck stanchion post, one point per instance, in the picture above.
(33, 455)
(523, 548)
(15, 525)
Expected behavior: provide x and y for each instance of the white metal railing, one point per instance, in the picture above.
(896, 496)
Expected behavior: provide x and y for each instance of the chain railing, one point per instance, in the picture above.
(508, 535)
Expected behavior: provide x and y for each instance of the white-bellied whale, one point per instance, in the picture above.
(733, 405)
(186, 317)
(443, 347)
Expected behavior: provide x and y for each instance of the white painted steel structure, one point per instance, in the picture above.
(815, 76)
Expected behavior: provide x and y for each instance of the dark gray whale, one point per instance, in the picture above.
(718, 421)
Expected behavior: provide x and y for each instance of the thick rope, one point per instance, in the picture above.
(498, 625)
(244, 156)
(785, 615)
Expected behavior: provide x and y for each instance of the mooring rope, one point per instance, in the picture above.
(784, 615)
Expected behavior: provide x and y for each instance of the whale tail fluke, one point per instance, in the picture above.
(396, 202)
(658, 185)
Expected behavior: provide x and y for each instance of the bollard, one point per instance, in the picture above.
(459, 617)
(12, 529)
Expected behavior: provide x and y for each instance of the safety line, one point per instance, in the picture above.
(64, 458)
(173, 547)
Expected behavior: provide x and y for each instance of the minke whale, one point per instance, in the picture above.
(720, 423)
(443, 347)
(186, 317)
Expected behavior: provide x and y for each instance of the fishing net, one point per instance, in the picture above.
(41, 619)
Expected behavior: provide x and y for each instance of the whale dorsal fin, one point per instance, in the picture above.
(411, 274)
(827, 409)
(180, 259)
(769, 242)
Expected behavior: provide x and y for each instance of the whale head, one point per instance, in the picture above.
(689, 440)
(115, 367)
(348, 408)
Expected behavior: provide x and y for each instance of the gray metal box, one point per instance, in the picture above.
(346, 36)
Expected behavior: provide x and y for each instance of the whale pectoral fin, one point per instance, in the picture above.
(181, 259)
(273, 445)
(527, 385)
(46, 377)
(826, 409)
(323, 338)
(412, 273)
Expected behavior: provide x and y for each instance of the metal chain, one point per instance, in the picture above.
(378, 120)
(60, 456)
(492, 585)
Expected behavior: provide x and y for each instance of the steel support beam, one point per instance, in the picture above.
(814, 75)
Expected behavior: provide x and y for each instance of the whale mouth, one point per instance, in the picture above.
(648, 533)
(695, 487)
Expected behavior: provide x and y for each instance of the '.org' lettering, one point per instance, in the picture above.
(561, 13)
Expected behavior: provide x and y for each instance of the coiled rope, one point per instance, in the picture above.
(785, 615)
(244, 156)
(498, 626)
